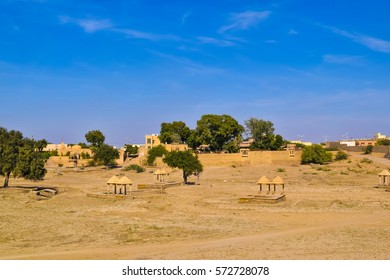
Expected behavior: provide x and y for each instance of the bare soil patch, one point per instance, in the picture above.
(330, 212)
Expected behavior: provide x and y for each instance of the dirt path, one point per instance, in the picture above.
(251, 246)
(383, 161)
(331, 212)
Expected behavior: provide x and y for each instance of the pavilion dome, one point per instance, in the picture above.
(125, 181)
(113, 180)
(263, 180)
(384, 172)
(277, 180)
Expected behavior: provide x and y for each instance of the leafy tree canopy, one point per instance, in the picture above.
(315, 154)
(220, 132)
(383, 142)
(262, 132)
(95, 137)
(21, 157)
(102, 153)
(186, 161)
(155, 152)
(83, 145)
(106, 155)
(175, 132)
(341, 155)
(131, 149)
(368, 149)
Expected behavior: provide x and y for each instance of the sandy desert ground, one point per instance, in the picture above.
(330, 212)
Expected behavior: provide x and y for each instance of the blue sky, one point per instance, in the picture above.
(314, 68)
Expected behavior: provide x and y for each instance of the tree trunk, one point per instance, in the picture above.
(185, 177)
(6, 180)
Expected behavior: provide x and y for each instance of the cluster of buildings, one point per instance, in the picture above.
(152, 141)
(73, 151)
(76, 152)
(358, 142)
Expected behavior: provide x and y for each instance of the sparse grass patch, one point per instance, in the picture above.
(135, 167)
(155, 227)
(366, 160)
(355, 170)
(280, 170)
(323, 168)
(91, 163)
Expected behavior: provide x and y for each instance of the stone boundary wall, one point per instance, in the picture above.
(54, 161)
(253, 158)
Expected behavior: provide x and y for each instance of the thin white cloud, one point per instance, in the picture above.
(216, 42)
(341, 59)
(245, 20)
(191, 66)
(292, 32)
(89, 25)
(271, 41)
(185, 16)
(131, 33)
(92, 25)
(372, 43)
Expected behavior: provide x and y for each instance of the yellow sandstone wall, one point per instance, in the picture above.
(254, 158)
(54, 161)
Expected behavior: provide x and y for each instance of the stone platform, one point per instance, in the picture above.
(272, 199)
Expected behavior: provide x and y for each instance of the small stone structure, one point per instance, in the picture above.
(43, 192)
(384, 178)
(119, 185)
(245, 147)
(161, 175)
(264, 181)
(269, 191)
(291, 149)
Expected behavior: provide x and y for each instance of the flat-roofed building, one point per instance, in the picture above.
(151, 141)
(365, 142)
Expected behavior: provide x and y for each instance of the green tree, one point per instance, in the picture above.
(175, 132)
(155, 152)
(195, 139)
(315, 154)
(220, 132)
(32, 159)
(368, 150)
(131, 149)
(383, 142)
(262, 132)
(277, 143)
(21, 157)
(186, 161)
(106, 155)
(95, 137)
(85, 155)
(83, 145)
(341, 155)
